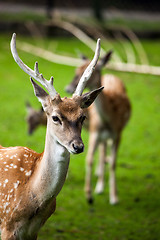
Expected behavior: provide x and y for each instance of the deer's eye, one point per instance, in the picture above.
(56, 119)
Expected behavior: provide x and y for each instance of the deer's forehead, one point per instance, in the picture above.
(69, 108)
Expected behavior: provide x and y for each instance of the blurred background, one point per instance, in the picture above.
(56, 33)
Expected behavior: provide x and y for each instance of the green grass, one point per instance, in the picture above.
(136, 217)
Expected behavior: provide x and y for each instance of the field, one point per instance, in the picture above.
(137, 216)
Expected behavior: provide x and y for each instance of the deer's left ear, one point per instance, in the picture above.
(88, 98)
(42, 96)
(104, 60)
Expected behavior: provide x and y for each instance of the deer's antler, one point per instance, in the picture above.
(87, 73)
(48, 84)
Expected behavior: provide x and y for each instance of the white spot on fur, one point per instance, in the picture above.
(21, 169)
(6, 204)
(28, 173)
(8, 210)
(16, 184)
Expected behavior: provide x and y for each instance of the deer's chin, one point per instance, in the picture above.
(69, 148)
(73, 152)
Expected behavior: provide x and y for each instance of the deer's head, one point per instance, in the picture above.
(65, 116)
(95, 79)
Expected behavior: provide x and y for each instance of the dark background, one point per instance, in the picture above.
(143, 5)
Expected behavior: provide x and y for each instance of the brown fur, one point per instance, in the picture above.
(20, 162)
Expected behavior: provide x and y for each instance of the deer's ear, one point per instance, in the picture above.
(41, 94)
(104, 60)
(88, 98)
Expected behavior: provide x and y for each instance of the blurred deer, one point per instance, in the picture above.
(107, 118)
(30, 181)
(35, 118)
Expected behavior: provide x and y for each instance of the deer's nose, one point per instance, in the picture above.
(69, 89)
(78, 148)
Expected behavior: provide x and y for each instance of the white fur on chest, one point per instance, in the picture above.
(58, 173)
(52, 172)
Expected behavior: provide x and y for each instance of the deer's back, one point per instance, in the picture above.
(116, 105)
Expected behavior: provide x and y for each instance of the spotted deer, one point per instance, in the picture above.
(30, 181)
(107, 118)
(35, 118)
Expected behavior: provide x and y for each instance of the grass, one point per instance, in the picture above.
(136, 217)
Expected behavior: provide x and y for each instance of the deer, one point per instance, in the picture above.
(35, 118)
(108, 116)
(31, 181)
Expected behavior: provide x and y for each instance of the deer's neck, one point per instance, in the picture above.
(100, 102)
(51, 172)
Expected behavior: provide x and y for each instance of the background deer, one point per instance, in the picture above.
(30, 181)
(35, 118)
(107, 118)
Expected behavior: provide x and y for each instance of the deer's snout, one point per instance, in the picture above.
(77, 146)
(69, 89)
(30, 131)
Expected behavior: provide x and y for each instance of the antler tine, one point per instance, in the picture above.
(88, 72)
(35, 74)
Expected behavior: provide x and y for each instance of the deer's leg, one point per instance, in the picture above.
(112, 177)
(101, 168)
(93, 139)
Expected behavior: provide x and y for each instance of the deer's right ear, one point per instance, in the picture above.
(88, 98)
(40, 94)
